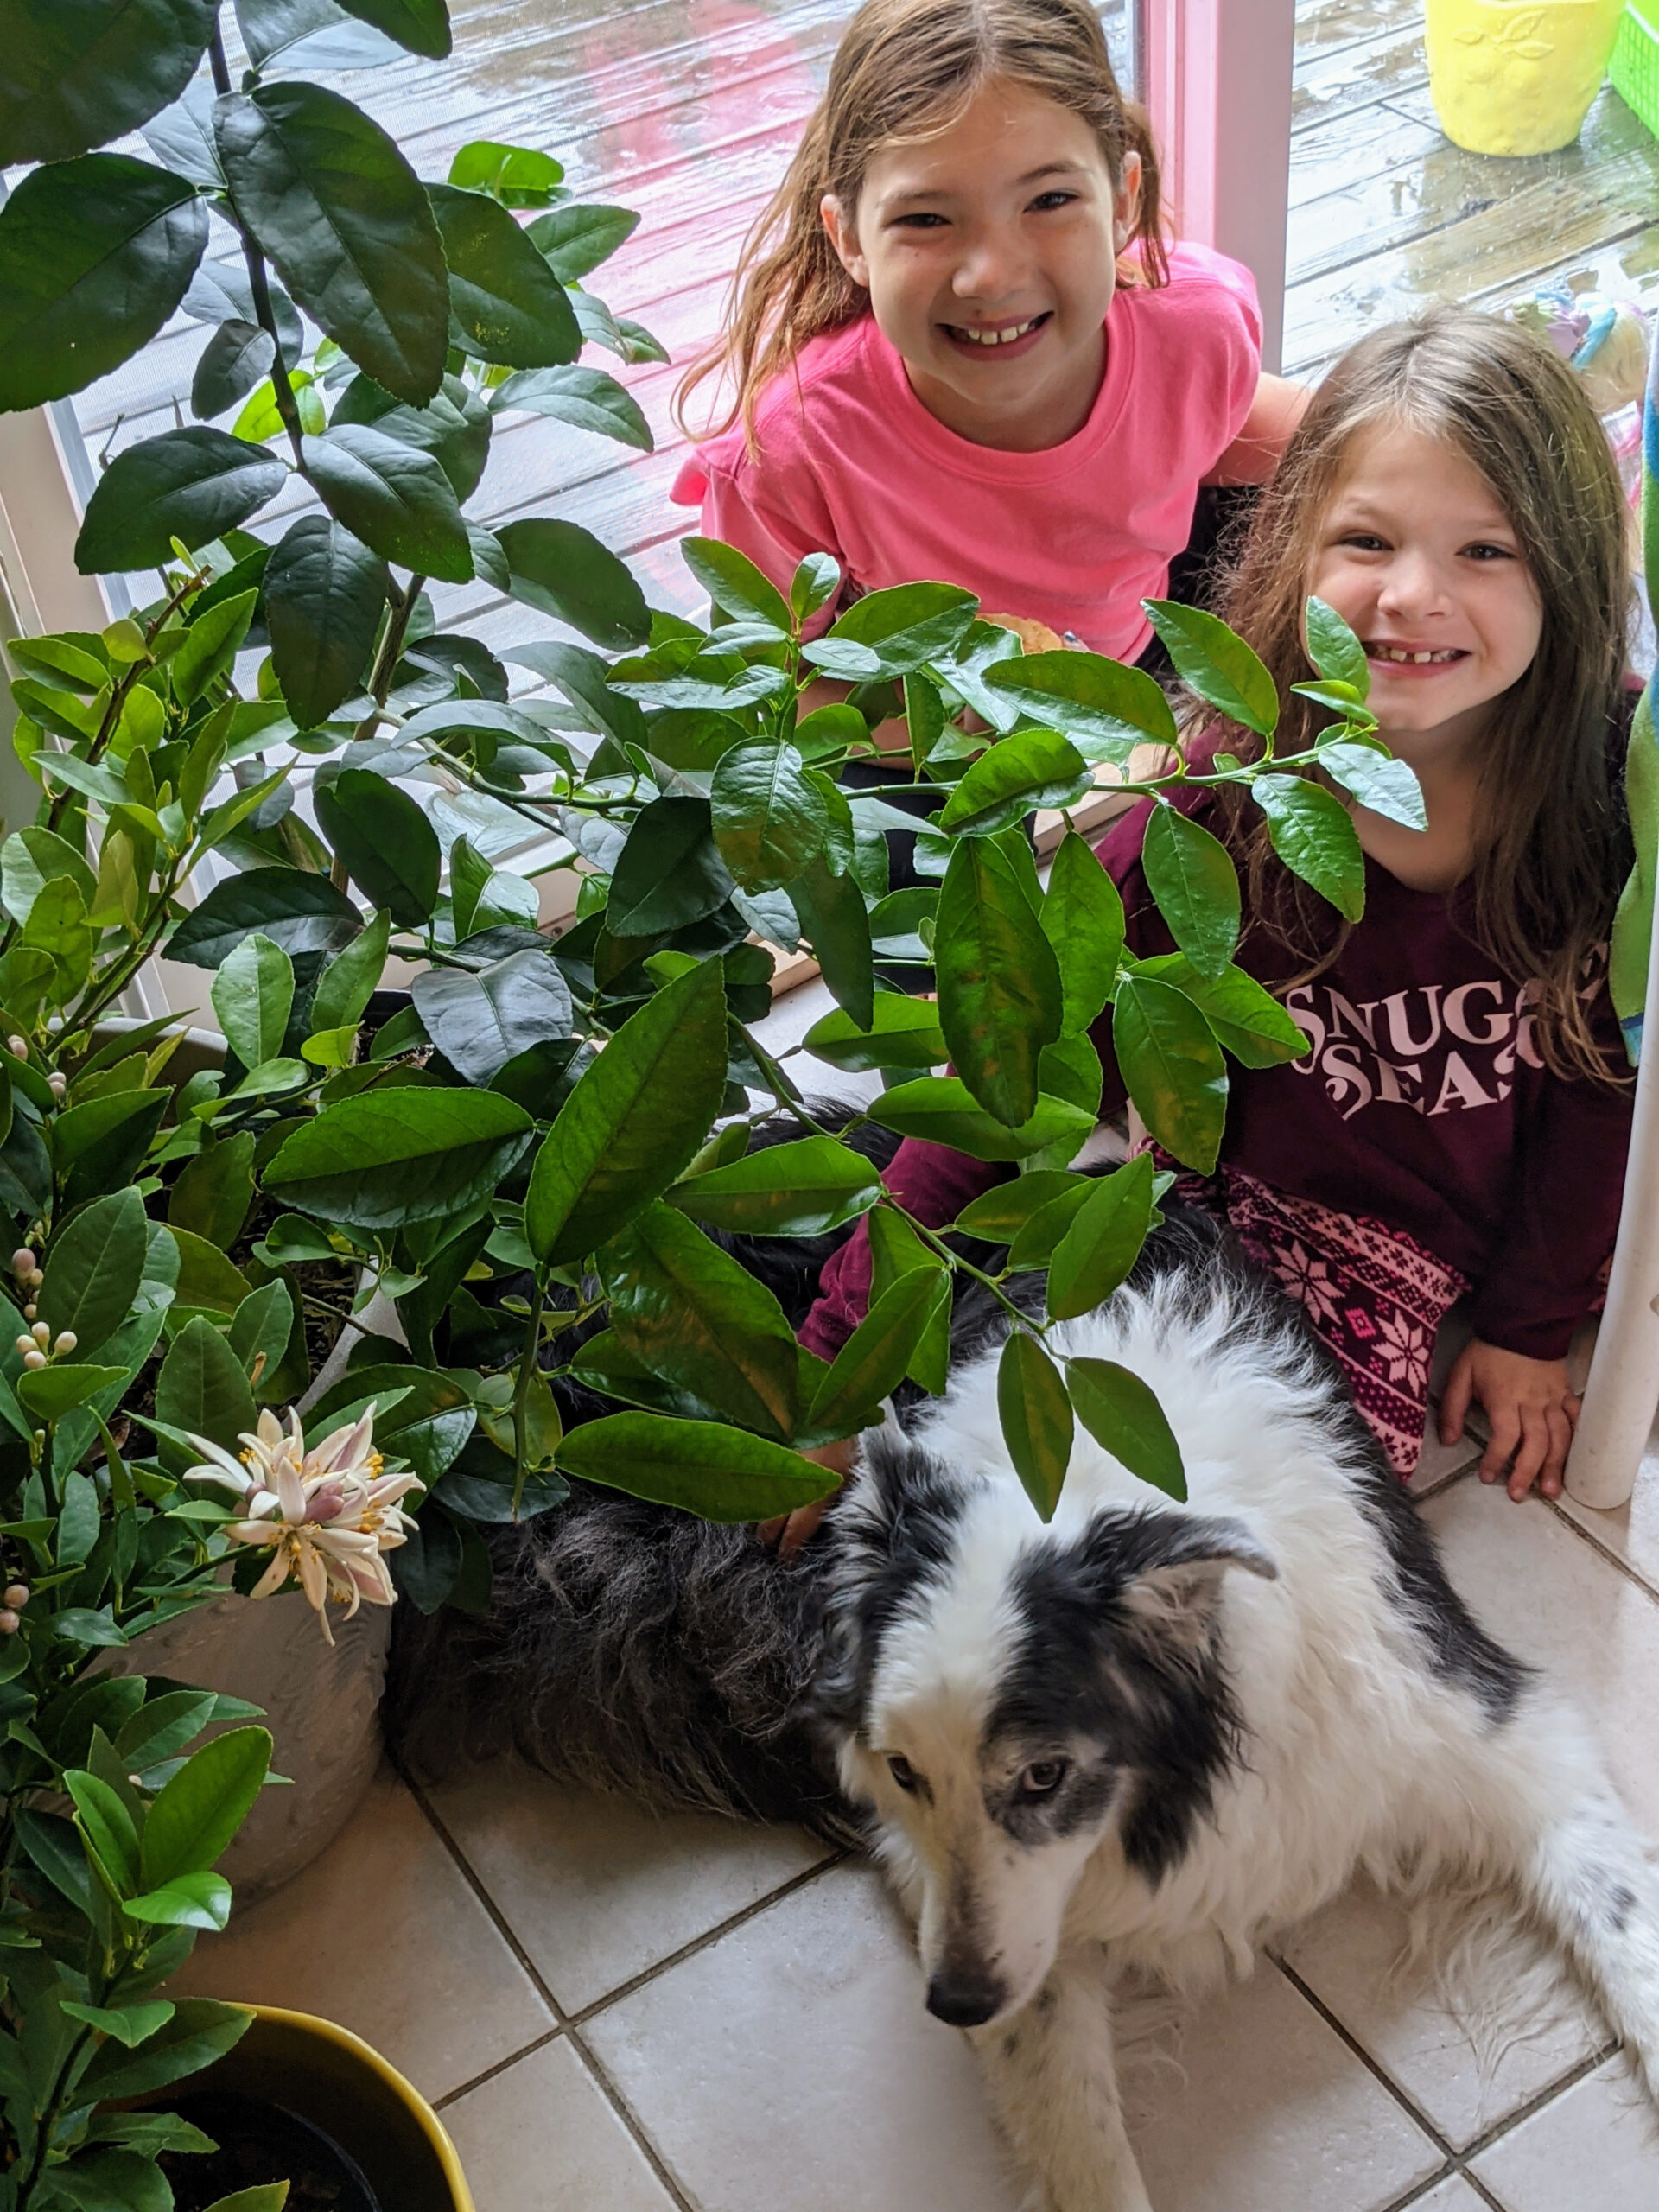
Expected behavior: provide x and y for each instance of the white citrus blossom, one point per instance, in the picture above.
(327, 1515)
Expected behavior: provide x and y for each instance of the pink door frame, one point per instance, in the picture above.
(1216, 77)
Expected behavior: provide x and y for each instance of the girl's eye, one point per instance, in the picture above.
(902, 1772)
(919, 221)
(1362, 541)
(1045, 200)
(1485, 552)
(1042, 1777)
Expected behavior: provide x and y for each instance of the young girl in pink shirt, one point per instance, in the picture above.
(1457, 1125)
(960, 349)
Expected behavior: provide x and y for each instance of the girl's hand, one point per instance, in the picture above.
(791, 1531)
(1530, 1408)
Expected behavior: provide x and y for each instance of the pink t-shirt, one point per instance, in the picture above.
(851, 463)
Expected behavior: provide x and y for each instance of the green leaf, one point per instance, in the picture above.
(1313, 835)
(324, 593)
(1104, 1241)
(164, 1726)
(805, 1189)
(93, 1267)
(351, 978)
(46, 1394)
(1036, 1417)
(942, 1109)
(874, 1359)
(253, 996)
(200, 2031)
(1122, 1414)
(32, 858)
(202, 1391)
(669, 872)
(211, 645)
(1036, 767)
(770, 819)
(905, 1033)
(82, 1625)
(393, 497)
(835, 919)
(505, 303)
(199, 1811)
(575, 239)
(1388, 786)
(389, 1158)
(193, 484)
(385, 841)
(905, 627)
(79, 74)
(999, 1000)
(733, 583)
(999, 1215)
(206, 1279)
(196, 1899)
(815, 584)
(704, 1467)
(268, 2196)
(107, 1827)
(129, 2024)
(1334, 650)
(586, 399)
(634, 1121)
(516, 175)
(566, 572)
(1192, 876)
(420, 26)
(1082, 919)
(1248, 1020)
(333, 204)
(689, 1313)
(1172, 1064)
(1217, 663)
(97, 254)
(235, 359)
(480, 1020)
(261, 1330)
(454, 428)
(1105, 708)
(301, 911)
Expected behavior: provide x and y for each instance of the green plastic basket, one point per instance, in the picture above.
(1635, 67)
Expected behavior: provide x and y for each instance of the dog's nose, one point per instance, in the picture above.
(963, 2001)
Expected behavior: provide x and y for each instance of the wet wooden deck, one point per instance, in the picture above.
(686, 110)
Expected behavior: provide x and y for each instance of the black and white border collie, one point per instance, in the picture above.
(1144, 1736)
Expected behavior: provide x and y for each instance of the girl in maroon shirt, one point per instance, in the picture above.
(1460, 1122)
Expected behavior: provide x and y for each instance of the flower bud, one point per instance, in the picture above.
(57, 1085)
(26, 1344)
(33, 1359)
(16, 1596)
(41, 1334)
(21, 1259)
(28, 1311)
(18, 1047)
(67, 1339)
(10, 1623)
(35, 1277)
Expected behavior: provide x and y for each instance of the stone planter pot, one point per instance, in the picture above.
(322, 1706)
(1517, 76)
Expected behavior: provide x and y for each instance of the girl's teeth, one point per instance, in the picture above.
(997, 337)
(1394, 652)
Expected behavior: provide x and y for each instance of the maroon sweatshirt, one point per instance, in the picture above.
(1423, 1101)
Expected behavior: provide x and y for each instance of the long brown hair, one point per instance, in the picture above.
(1551, 835)
(906, 69)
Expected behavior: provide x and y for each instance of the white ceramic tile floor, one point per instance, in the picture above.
(749, 2034)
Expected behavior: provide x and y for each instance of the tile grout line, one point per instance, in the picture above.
(1406, 2103)
(1546, 2095)
(640, 2140)
(1588, 1536)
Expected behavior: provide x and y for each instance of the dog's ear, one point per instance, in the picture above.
(1178, 1578)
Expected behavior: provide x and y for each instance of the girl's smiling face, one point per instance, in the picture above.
(990, 255)
(1424, 565)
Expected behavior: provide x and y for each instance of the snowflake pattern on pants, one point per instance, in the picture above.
(1373, 1294)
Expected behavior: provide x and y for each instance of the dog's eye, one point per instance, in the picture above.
(1042, 1777)
(902, 1772)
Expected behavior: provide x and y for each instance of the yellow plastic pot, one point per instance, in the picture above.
(1517, 76)
(331, 2077)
